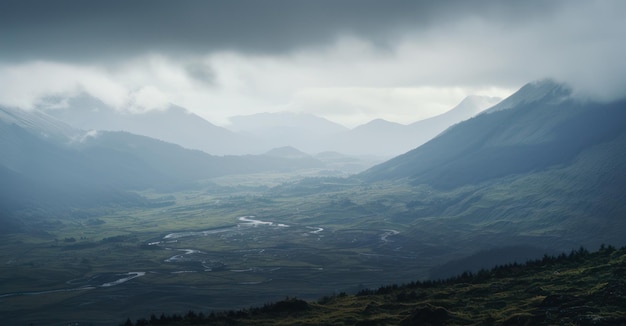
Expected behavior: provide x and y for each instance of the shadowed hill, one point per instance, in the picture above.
(581, 288)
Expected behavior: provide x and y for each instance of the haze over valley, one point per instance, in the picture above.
(160, 160)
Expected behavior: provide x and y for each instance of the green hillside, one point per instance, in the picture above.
(581, 288)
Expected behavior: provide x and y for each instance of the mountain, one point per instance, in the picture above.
(123, 160)
(39, 171)
(172, 124)
(425, 130)
(378, 138)
(299, 130)
(388, 139)
(72, 158)
(175, 165)
(45, 163)
(287, 152)
(39, 123)
(541, 90)
(546, 171)
(539, 127)
(258, 133)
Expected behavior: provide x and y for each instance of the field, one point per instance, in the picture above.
(229, 247)
(580, 288)
(238, 242)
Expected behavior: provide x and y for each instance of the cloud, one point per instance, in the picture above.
(86, 136)
(348, 61)
(122, 88)
(85, 30)
(148, 98)
(24, 84)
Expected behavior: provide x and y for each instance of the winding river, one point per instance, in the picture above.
(183, 256)
(388, 233)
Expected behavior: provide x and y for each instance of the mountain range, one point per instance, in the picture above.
(258, 133)
(172, 124)
(541, 130)
(389, 139)
(47, 163)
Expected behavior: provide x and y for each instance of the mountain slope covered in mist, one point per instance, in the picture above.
(539, 127)
(172, 124)
(258, 133)
(389, 139)
(45, 163)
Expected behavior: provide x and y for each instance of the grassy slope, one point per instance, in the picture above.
(581, 288)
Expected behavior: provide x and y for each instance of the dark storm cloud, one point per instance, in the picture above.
(383, 58)
(70, 30)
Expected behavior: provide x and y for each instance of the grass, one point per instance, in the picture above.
(576, 289)
(345, 256)
(435, 226)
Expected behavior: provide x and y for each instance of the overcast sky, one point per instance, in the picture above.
(348, 61)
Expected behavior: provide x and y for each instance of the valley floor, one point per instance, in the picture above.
(232, 246)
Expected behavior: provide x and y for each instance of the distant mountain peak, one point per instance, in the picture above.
(286, 152)
(546, 90)
(479, 101)
(381, 122)
(470, 106)
(378, 124)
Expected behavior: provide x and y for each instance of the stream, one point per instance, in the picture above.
(185, 256)
(198, 256)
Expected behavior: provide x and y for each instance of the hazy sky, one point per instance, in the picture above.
(349, 61)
